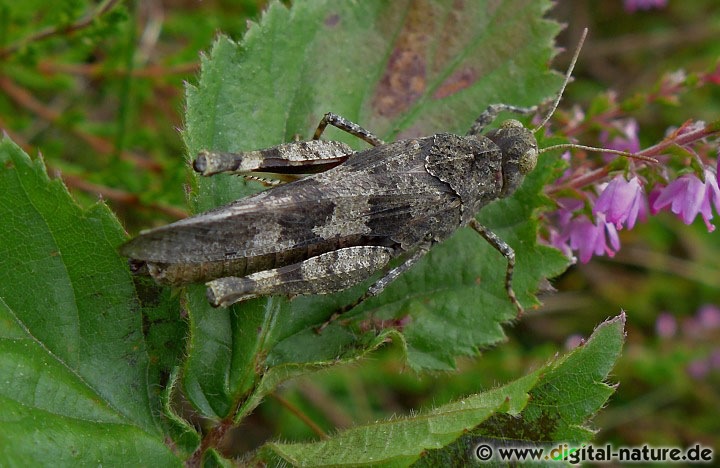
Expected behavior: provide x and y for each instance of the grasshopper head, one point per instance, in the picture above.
(519, 150)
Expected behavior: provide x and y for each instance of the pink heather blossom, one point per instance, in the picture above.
(573, 341)
(690, 127)
(627, 140)
(569, 232)
(559, 225)
(666, 325)
(568, 172)
(652, 198)
(698, 369)
(622, 202)
(709, 317)
(632, 6)
(592, 238)
(560, 241)
(712, 197)
(714, 76)
(684, 196)
(565, 212)
(687, 196)
(715, 359)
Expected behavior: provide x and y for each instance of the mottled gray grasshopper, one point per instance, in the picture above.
(333, 229)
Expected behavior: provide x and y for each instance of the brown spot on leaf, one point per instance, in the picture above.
(378, 324)
(461, 79)
(414, 131)
(405, 77)
(332, 20)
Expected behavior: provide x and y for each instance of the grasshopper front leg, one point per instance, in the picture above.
(491, 113)
(507, 252)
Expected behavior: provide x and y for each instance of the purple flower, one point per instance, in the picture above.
(715, 358)
(709, 316)
(568, 172)
(635, 5)
(592, 238)
(558, 226)
(698, 369)
(621, 202)
(652, 198)
(666, 325)
(712, 196)
(688, 195)
(560, 241)
(627, 141)
(573, 341)
(684, 196)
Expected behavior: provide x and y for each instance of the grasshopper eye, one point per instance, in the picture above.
(528, 160)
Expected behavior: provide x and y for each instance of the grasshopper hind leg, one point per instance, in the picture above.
(323, 274)
(379, 285)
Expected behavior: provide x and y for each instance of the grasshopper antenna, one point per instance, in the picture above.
(600, 150)
(568, 74)
(554, 107)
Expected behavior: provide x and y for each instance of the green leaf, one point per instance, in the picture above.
(76, 383)
(401, 69)
(549, 405)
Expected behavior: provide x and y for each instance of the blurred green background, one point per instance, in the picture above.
(97, 88)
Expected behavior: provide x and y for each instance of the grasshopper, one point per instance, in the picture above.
(359, 210)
